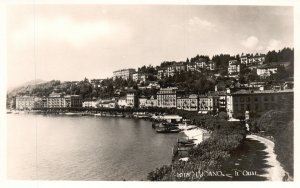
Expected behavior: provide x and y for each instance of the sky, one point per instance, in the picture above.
(71, 42)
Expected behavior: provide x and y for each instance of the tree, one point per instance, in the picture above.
(187, 60)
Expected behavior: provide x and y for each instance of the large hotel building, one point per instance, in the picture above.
(258, 101)
(55, 100)
(125, 74)
(166, 97)
(26, 102)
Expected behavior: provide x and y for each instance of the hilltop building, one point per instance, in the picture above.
(233, 67)
(253, 60)
(125, 74)
(267, 70)
(172, 69)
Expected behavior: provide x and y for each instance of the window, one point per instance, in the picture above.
(266, 106)
(273, 106)
(256, 107)
(242, 107)
(241, 99)
(266, 98)
(272, 98)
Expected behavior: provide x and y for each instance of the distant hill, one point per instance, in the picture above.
(24, 87)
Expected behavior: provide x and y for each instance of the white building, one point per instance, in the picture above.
(166, 97)
(122, 102)
(211, 65)
(27, 102)
(89, 104)
(142, 102)
(201, 65)
(188, 103)
(108, 103)
(125, 74)
(253, 60)
(265, 71)
(152, 102)
(191, 67)
(131, 98)
(136, 76)
(233, 67)
(161, 73)
(172, 69)
(139, 77)
(55, 100)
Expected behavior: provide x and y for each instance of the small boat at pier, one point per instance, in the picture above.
(168, 130)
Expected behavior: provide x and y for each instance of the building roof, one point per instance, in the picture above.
(153, 97)
(251, 56)
(129, 69)
(246, 92)
(143, 97)
(90, 100)
(131, 90)
(268, 66)
(122, 98)
(191, 96)
(234, 62)
(191, 64)
(285, 63)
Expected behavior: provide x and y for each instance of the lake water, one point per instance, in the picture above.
(53, 147)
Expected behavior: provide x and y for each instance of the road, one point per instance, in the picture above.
(254, 160)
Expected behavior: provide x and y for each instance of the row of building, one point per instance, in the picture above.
(234, 68)
(231, 101)
(55, 100)
(262, 70)
(168, 71)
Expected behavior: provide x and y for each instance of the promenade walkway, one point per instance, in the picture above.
(254, 160)
(274, 171)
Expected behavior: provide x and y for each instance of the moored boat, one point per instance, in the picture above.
(168, 130)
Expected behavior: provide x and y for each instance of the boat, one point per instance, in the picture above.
(186, 142)
(167, 130)
(71, 114)
(163, 130)
(175, 130)
(189, 145)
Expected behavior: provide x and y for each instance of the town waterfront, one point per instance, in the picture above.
(59, 147)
